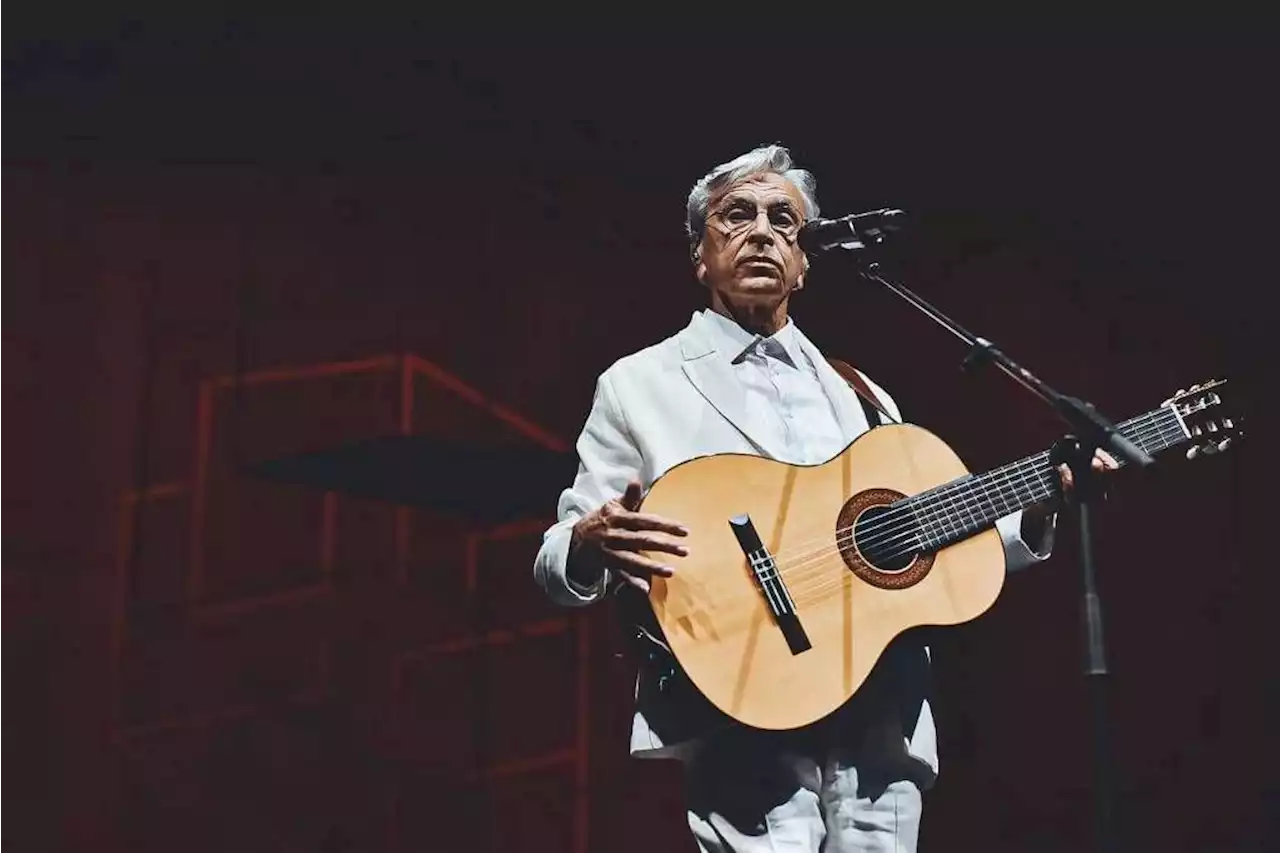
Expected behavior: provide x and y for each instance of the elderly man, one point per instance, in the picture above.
(742, 378)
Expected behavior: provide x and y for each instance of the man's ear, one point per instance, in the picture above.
(699, 268)
(804, 270)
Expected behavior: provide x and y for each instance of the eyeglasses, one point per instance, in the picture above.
(741, 215)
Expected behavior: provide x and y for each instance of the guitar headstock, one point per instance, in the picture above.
(1205, 414)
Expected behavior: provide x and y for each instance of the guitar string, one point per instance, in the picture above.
(876, 537)
(814, 577)
(896, 548)
(813, 583)
(818, 584)
(933, 501)
(798, 569)
(939, 501)
(804, 569)
(881, 536)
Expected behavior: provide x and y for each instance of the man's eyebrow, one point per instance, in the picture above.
(735, 198)
(732, 197)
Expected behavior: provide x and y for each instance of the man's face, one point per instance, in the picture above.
(749, 254)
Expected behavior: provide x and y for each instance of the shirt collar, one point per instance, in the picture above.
(732, 340)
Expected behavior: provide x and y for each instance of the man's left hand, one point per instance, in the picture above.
(1035, 518)
(1102, 462)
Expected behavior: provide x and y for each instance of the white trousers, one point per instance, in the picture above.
(753, 794)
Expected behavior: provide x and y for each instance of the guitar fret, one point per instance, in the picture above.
(985, 502)
(935, 521)
(948, 519)
(999, 479)
(924, 521)
(932, 529)
(922, 531)
(953, 511)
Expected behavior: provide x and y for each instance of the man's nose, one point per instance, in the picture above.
(761, 229)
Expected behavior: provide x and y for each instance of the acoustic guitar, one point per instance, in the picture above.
(799, 576)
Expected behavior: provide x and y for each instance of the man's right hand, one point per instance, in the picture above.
(612, 537)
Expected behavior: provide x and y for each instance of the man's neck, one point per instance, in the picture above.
(758, 320)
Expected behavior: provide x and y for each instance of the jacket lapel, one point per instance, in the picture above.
(712, 374)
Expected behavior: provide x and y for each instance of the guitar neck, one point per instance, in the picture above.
(954, 511)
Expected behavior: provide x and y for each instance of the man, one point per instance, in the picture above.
(741, 378)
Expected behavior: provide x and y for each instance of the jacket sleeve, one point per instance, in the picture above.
(1018, 553)
(607, 459)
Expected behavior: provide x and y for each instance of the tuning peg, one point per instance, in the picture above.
(1228, 423)
(1224, 444)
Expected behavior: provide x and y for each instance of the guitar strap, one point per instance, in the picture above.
(877, 413)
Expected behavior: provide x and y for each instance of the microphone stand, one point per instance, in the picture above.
(1089, 431)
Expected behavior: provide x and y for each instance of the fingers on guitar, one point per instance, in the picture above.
(634, 540)
(629, 562)
(647, 521)
(639, 583)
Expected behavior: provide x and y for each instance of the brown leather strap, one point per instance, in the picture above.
(863, 390)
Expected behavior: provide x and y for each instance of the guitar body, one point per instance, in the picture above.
(715, 616)
(799, 576)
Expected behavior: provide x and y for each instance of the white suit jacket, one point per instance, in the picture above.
(662, 406)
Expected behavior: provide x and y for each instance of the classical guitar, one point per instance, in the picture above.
(798, 577)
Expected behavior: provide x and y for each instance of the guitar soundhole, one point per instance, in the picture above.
(879, 549)
(879, 543)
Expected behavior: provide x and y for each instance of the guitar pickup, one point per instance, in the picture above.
(772, 587)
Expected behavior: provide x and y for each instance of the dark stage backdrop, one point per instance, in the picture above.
(232, 240)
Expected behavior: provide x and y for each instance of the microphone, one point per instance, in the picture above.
(855, 231)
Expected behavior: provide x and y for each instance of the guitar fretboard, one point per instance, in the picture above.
(954, 511)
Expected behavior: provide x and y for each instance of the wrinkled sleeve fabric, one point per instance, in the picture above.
(608, 459)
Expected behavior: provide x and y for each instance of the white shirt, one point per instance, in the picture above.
(784, 397)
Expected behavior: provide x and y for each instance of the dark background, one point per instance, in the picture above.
(229, 239)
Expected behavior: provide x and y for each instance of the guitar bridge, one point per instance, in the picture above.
(775, 592)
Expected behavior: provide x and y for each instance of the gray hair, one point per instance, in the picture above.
(767, 159)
